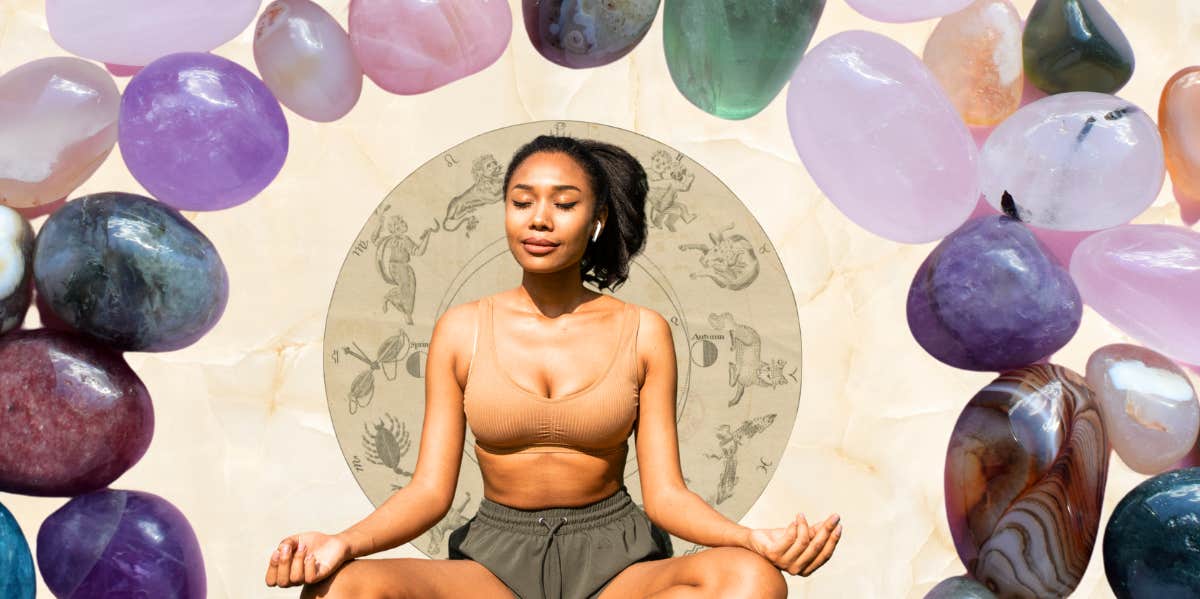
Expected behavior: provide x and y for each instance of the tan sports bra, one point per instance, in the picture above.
(508, 418)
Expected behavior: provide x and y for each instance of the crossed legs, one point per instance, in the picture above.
(724, 572)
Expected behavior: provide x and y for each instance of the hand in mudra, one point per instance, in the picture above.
(798, 548)
(306, 558)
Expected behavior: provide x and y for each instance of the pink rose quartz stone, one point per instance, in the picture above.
(1144, 279)
(414, 46)
(136, 32)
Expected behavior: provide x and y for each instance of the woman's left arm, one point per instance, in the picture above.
(667, 500)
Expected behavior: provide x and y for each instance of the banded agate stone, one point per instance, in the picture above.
(1025, 474)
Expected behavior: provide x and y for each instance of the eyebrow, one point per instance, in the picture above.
(556, 187)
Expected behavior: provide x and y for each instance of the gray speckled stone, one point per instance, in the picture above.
(129, 271)
(16, 272)
(959, 587)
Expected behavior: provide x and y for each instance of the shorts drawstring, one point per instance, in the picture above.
(546, 551)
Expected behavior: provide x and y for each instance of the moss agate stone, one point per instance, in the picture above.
(76, 416)
(1152, 540)
(129, 271)
(731, 57)
(1075, 46)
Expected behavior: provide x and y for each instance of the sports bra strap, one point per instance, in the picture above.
(475, 340)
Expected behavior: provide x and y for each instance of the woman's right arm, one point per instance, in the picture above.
(421, 504)
(418, 506)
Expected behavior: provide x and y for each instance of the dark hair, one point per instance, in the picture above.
(619, 183)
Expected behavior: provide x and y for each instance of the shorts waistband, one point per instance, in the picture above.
(564, 519)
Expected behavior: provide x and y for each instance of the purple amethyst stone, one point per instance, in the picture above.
(114, 543)
(991, 298)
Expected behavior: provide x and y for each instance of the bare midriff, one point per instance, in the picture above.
(542, 477)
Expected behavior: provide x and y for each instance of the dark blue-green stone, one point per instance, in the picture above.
(1074, 46)
(1152, 540)
(130, 272)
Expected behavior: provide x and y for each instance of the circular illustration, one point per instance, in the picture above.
(437, 240)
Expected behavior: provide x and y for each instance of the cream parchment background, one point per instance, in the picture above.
(244, 445)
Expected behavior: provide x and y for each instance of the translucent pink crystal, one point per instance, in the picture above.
(881, 139)
(1145, 279)
(414, 46)
(135, 32)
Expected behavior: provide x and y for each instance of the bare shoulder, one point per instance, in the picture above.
(452, 336)
(457, 319)
(651, 324)
(653, 336)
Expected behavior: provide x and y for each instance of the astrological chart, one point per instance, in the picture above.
(437, 240)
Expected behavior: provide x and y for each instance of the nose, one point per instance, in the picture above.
(541, 216)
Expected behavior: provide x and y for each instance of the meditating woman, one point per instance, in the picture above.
(553, 378)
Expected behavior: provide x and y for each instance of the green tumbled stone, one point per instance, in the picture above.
(731, 57)
(1075, 45)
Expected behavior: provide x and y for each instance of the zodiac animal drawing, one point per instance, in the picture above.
(488, 175)
(731, 261)
(386, 443)
(748, 368)
(667, 177)
(730, 440)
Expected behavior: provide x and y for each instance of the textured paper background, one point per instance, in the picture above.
(244, 444)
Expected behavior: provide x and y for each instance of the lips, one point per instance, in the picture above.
(539, 242)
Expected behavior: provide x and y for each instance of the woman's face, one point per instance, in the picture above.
(549, 200)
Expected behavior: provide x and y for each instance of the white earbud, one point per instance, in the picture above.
(596, 235)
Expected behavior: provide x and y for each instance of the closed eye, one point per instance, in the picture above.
(567, 206)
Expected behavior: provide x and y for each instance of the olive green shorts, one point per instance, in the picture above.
(560, 553)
